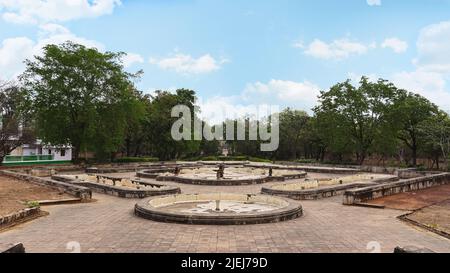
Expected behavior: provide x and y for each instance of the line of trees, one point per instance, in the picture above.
(80, 96)
(373, 120)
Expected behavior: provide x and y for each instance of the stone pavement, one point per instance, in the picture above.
(109, 225)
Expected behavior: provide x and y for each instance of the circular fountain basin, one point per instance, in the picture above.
(121, 187)
(311, 189)
(218, 209)
(232, 176)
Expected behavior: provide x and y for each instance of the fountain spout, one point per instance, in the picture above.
(217, 205)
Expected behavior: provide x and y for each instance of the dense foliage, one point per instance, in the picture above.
(15, 120)
(83, 97)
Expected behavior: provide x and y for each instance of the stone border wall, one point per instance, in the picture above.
(405, 218)
(222, 182)
(144, 210)
(80, 192)
(369, 193)
(19, 216)
(133, 167)
(155, 173)
(311, 169)
(123, 192)
(315, 194)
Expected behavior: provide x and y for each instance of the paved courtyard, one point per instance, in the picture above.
(109, 225)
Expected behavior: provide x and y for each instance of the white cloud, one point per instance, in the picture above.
(395, 44)
(258, 95)
(131, 59)
(433, 47)
(374, 2)
(14, 51)
(338, 49)
(432, 66)
(356, 77)
(56, 34)
(298, 44)
(283, 92)
(428, 84)
(220, 108)
(43, 11)
(186, 64)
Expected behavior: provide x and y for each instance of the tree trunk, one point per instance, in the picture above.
(75, 153)
(414, 155)
(128, 147)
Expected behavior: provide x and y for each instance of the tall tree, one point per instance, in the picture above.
(293, 131)
(355, 115)
(159, 124)
(436, 136)
(409, 112)
(81, 97)
(15, 121)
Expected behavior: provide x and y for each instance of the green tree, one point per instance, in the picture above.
(81, 97)
(159, 124)
(293, 134)
(136, 132)
(16, 126)
(436, 137)
(352, 117)
(409, 112)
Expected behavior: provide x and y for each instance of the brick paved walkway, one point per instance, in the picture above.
(327, 226)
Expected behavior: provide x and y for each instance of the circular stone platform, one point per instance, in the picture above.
(121, 187)
(218, 209)
(233, 176)
(311, 189)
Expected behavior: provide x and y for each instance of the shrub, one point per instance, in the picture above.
(33, 204)
(136, 159)
(306, 161)
(229, 158)
(258, 159)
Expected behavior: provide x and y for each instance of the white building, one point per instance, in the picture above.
(39, 153)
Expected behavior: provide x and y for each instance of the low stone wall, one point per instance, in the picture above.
(80, 192)
(221, 182)
(378, 169)
(156, 174)
(312, 169)
(157, 167)
(122, 192)
(369, 193)
(17, 217)
(414, 173)
(315, 194)
(146, 210)
(17, 248)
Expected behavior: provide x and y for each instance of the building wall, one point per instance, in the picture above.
(58, 154)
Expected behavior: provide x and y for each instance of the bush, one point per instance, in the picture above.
(33, 204)
(306, 161)
(136, 159)
(258, 159)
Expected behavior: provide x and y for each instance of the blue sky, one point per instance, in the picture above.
(235, 52)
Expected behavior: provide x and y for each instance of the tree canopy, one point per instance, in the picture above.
(81, 97)
(16, 124)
